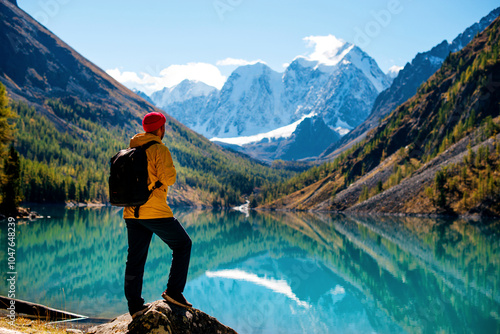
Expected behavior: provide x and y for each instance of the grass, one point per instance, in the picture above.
(26, 325)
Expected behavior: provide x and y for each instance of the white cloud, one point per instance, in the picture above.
(328, 49)
(170, 76)
(278, 286)
(394, 70)
(124, 77)
(237, 62)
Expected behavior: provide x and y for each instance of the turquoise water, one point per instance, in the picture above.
(276, 272)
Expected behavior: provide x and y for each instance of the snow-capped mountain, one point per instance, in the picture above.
(186, 101)
(393, 71)
(409, 78)
(340, 88)
(183, 91)
(249, 103)
(341, 93)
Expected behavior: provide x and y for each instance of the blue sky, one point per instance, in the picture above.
(157, 43)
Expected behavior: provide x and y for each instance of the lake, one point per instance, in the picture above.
(276, 272)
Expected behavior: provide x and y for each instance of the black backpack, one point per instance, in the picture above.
(128, 177)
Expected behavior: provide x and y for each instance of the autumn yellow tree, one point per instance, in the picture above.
(10, 170)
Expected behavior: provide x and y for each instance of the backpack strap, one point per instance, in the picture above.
(158, 184)
(148, 144)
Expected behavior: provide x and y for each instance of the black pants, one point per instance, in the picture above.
(140, 232)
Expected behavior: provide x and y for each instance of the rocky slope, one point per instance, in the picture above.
(162, 317)
(409, 196)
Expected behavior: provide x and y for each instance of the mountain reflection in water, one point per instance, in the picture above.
(277, 272)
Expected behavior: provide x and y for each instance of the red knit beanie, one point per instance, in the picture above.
(153, 121)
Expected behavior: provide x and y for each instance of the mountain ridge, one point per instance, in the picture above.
(256, 99)
(406, 83)
(183, 91)
(309, 138)
(452, 122)
(25, 83)
(73, 117)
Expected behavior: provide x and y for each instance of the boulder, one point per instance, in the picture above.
(162, 317)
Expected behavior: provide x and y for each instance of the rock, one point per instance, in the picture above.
(162, 317)
(73, 331)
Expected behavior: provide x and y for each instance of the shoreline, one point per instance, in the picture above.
(28, 314)
(26, 212)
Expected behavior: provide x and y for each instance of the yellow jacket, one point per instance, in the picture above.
(160, 167)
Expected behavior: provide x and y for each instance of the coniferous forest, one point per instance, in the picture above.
(72, 165)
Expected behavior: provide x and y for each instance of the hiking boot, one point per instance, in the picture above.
(176, 298)
(139, 311)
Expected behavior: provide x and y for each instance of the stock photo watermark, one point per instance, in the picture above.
(221, 7)
(11, 268)
(380, 20)
(48, 10)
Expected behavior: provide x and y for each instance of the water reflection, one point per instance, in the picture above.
(278, 272)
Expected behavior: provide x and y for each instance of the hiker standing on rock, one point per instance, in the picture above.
(155, 216)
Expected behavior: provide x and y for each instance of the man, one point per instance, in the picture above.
(155, 216)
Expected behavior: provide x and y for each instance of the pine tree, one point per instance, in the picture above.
(10, 189)
(6, 136)
(439, 183)
(6, 114)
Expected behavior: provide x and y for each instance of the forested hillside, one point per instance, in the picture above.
(72, 117)
(57, 166)
(436, 153)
